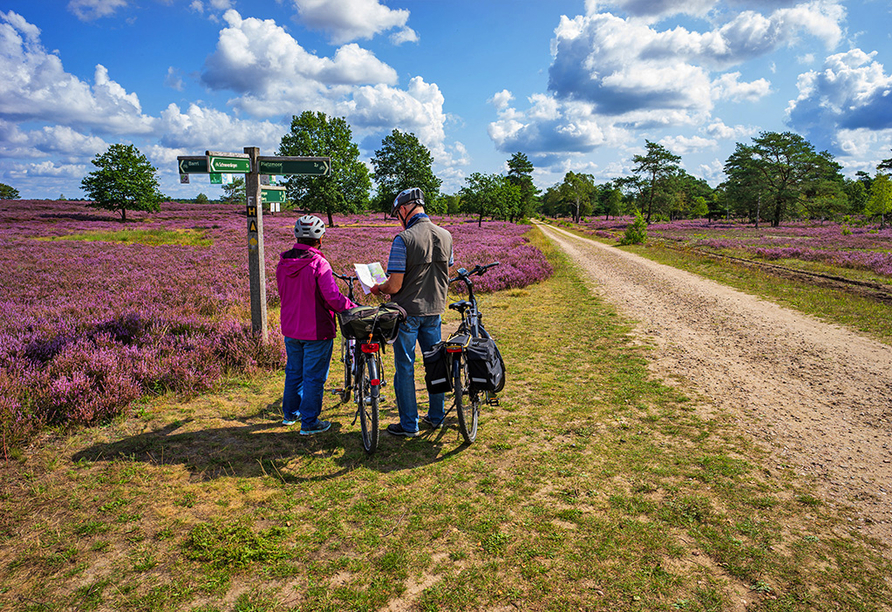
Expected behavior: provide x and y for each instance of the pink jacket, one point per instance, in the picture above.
(309, 294)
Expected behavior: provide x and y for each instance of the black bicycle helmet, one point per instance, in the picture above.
(407, 196)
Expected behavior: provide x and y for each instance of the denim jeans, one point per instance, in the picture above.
(426, 331)
(305, 374)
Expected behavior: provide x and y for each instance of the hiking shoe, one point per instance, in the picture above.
(288, 422)
(427, 421)
(395, 429)
(319, 427)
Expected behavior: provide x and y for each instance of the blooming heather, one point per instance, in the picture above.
(89, 326)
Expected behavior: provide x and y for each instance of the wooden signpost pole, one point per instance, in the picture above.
(256, 260)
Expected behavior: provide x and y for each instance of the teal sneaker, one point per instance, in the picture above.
(319, 427)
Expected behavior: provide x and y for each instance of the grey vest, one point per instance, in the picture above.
(426, 279)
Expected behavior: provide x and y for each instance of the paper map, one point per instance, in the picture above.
(369, 274)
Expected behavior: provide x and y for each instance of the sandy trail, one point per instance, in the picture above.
(818, 394)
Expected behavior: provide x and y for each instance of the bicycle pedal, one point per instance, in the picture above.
(493, 401)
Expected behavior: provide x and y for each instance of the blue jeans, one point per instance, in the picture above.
(305, 374)
(426, 331)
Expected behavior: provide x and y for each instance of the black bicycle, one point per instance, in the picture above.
(365, 330)
(461, 349)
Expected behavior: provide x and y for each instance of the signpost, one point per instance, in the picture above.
(272, 194)
(230, 163)
(299, 166)
(253, 166)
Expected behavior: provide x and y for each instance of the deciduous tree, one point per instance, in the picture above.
(124, 180)
(346, 188)
(403, 162)
(880, 201)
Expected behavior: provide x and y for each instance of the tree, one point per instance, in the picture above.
(235, 191)
(580, 190)
(490, 195)
(520, 171)
(8, 193)
(780, 169)
(125, 180)
(880, 200)
(656, 164)
(201, 199)
(403, 162)
(346, 188)
(886, 164)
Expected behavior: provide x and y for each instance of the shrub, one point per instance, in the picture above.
(636, 233)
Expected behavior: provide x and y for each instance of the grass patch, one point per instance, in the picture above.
(150, 237)
(591, 486)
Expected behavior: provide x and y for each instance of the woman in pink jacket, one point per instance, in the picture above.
(309, 298)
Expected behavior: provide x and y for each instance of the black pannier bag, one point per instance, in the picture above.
(356, 323)
(485, 366)
(436, 369)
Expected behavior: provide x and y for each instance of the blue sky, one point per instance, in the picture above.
(575, 85)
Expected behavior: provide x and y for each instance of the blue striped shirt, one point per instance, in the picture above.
(397, 261)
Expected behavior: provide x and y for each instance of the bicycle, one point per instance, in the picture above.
(361, 347)
(456, 347)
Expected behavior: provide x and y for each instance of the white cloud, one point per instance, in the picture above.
(729, 87)
(403, 36)
(682, 145)
(204, 128)
(718, 130)
(36, 87)
(852, 91)
(501, 100)
(88, 10)
(259, 58)
(347, 20)
(174, 79)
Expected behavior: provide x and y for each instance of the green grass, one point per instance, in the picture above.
(591, 487)
(151, 237)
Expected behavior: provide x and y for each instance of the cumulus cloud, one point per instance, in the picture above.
(729, 87)
(277, 77)
(347, 20)
(501, 100)
(36, 87)
(612, 73)
(259, 58)
(682, 145)
(852, 90)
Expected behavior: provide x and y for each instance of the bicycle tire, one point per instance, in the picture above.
(467, 402)
(368, 406)
(347, 360)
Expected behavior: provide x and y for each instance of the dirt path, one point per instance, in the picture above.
(819, 395)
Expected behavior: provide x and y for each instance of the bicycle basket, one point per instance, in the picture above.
(382, 322)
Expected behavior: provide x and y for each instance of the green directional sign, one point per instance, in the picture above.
(193, 164)
(228, 163)
(300, 166)
(272, 194)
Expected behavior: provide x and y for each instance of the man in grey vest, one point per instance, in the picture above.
(418, 278)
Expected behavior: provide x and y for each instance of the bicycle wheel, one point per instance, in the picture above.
(368, 404)
(467, 402)
(347, 360)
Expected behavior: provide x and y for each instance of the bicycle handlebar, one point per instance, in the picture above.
(478, 270)
(344, 277)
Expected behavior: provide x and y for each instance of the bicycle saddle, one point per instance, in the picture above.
(460, 306)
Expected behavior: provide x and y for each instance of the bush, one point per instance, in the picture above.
(637, 232)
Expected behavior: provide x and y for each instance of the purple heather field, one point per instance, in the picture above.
(856, 246)
(91, 325)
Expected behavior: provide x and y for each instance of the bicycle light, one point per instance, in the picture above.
(369, 347)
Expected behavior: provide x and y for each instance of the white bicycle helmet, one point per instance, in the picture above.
(407, 196)
(309, 226)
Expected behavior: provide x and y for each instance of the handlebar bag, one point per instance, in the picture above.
(382, 322)
(436, 369)
(485, 366)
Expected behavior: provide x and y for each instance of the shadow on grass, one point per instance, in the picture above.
(258, 449)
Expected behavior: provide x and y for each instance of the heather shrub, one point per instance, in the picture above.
(91, 322)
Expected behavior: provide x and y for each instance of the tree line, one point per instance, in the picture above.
(776, 177)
